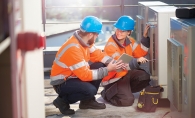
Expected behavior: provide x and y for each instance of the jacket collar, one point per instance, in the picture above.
(80, 39)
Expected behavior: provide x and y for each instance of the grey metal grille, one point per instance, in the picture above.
(175, 73)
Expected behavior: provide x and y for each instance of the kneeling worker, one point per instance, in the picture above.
(119, 86)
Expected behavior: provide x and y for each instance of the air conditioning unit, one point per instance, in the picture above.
(142, 17)
(159, 20)
(181, 66)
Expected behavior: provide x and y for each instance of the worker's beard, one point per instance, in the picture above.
(91, 41)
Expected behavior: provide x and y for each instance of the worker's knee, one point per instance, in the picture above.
(139, 85)
(92, 92)
(140, 81)
(143, 75)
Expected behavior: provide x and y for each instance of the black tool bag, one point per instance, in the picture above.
(148, 99)
(185, 12)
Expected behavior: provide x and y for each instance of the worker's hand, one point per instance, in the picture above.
(125, 66)
(115, 65)
(146, 30)
(142, 60)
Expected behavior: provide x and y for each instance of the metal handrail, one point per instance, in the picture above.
(71, 22)
(108, 6)
(162, 5)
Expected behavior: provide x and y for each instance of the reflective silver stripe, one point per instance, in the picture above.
(111, 43)
(115, 54)
(134, 46)
(131, 46)
(144, 47)
(86, 63)
(95, 74)
(105, 59)
(57, 77)
(92, 49)
(59, 63)
(78, 65)
(66, 48)
(109, 81)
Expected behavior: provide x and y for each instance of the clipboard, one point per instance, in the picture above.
(125, 58)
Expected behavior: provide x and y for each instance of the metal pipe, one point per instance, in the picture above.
(122, 7)
(109, 6)
(106, 6)
(78, 22)
(43, 15)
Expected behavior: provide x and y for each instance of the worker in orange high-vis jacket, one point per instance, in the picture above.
(118, 86)
(71, 75)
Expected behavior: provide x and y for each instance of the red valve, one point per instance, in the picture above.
(42, 41)
(30, 40)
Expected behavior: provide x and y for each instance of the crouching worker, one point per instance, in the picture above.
(72, 77)
(119, 86)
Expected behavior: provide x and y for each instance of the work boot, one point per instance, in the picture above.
(62, 106)
(91, 104)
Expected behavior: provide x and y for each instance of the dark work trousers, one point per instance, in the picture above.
(73, 89)
(120, 92)
(139, 79)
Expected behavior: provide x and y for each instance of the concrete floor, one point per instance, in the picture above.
(109, 112)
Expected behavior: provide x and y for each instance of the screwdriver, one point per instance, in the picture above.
(151, 59)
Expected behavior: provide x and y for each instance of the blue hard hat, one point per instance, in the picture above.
(91, 24)
(125, 23)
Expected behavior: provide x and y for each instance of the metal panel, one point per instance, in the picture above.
(153, 34)
(175, 57)
(159, 18)
(143, 7)
(183, 30)
(143, 14)
(139, 27)
(152, 50)
(32, 77)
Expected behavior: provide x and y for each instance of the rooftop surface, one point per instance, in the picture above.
(110, 112)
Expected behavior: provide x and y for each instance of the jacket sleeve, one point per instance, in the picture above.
(79, 67)
(97, 55)
(133, 64)
(111, 50)
(145, 42)
(140, 50)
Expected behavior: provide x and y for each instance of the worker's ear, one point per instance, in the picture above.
(90, 35)
(129, 33)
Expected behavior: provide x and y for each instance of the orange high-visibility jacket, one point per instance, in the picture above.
(72, 59)
(114, 49)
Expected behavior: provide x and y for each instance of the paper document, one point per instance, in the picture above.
(125, 59)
